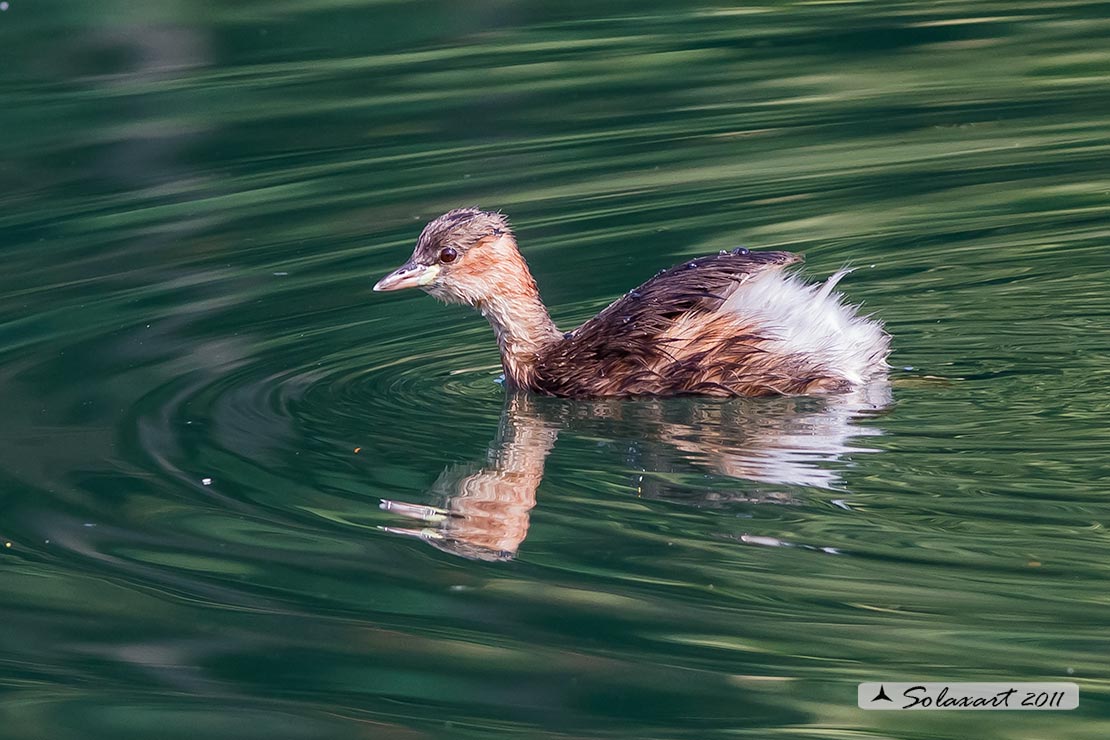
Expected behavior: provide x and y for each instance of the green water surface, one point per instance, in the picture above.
(202, 403)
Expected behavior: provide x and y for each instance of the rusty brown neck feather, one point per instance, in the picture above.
(513, 307)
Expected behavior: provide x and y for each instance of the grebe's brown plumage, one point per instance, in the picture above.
(724, 325)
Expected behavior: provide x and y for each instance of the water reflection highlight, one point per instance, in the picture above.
(483, 512)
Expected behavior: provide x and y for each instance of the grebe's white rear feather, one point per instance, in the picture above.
(813, 320)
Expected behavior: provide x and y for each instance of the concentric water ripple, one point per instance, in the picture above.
(203, 403)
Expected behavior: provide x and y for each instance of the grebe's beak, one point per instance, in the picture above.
(408, 275)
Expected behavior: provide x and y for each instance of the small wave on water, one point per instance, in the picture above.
(204, 406)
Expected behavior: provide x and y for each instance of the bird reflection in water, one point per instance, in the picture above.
(786, 441)
(485, 516)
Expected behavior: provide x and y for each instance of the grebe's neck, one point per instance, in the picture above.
(524, 328)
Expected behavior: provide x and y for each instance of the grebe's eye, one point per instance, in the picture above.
(448, 254)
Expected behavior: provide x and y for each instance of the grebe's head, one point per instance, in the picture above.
(465, 256)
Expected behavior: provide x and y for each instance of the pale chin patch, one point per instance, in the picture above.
(429, 276)
(454, 292)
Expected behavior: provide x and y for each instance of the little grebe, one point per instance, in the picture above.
(730, 324)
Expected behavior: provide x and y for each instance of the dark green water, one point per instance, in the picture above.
(195, 199)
